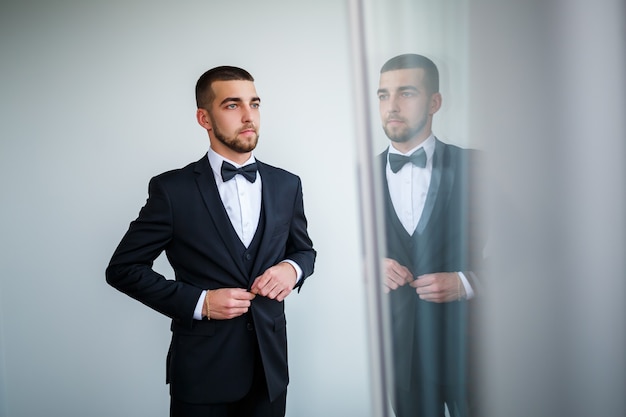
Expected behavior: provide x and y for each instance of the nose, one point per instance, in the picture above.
(246, 115)
(393, 104)
(390, 105)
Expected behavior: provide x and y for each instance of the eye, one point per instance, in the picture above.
(383, 97)
(255, 105)
(231, 106)
(408, 94)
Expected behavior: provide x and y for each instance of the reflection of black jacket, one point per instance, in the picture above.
(213, 361)
(430, 338)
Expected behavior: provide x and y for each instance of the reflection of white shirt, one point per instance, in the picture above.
(408, 189)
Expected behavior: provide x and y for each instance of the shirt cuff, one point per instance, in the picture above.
(197, 313)
(469, 292)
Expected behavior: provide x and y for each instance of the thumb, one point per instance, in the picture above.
(242, 294)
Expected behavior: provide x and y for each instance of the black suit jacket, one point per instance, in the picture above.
(213, 361)
(430, 338)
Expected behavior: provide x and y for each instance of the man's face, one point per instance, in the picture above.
(234, 117)
(406, 106)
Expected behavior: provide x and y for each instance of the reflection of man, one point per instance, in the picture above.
(430, 243)
(234, 231)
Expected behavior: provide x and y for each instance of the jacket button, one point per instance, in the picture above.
(249, 326)
(248, 256)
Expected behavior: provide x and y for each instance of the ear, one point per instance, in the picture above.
(435, 103)
(202, 115)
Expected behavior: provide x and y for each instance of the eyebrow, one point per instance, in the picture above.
(401, 88)
(238, 100)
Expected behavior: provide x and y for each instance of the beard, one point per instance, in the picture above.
(405, 133)
(236, 143)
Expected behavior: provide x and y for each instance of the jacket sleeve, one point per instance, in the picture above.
(299, 244)
(130, 269)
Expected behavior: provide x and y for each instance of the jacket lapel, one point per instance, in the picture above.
(439, 189)
(208, 189)
(269, 200)
(441, 182)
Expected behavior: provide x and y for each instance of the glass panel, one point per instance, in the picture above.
(424, 368)
(544, 101)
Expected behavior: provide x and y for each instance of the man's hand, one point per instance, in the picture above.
(226, 303)
(276, 282)
(440, 287)
(396, 275)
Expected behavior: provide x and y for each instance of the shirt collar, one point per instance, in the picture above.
(215, 160)
(428, 145)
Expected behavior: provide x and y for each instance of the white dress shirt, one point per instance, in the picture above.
(242, 200)
(240, 197)
(408, 189)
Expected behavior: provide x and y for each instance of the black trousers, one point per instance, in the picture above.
(252, 405)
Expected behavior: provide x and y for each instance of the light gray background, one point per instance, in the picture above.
(97, 97)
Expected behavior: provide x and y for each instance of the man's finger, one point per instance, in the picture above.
(391, 284)
(244, 295)
(423, 281)
(259, 283)
(282, 295)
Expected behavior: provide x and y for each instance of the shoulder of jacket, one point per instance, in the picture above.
(457, 151)
(274, 170)
(175, 174)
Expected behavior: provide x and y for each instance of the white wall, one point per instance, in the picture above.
(97, 97)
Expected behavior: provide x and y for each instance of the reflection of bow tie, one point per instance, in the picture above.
(418, 158)
(229, 171)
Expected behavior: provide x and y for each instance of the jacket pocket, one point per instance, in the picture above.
(199, 328)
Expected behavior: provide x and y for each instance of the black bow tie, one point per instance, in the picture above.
(417, 158)
(229, 171)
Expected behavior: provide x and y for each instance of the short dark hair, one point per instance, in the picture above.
(406, 61)
(204, 92)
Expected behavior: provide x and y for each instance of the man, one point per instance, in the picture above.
(432, 243)
(235, 234)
